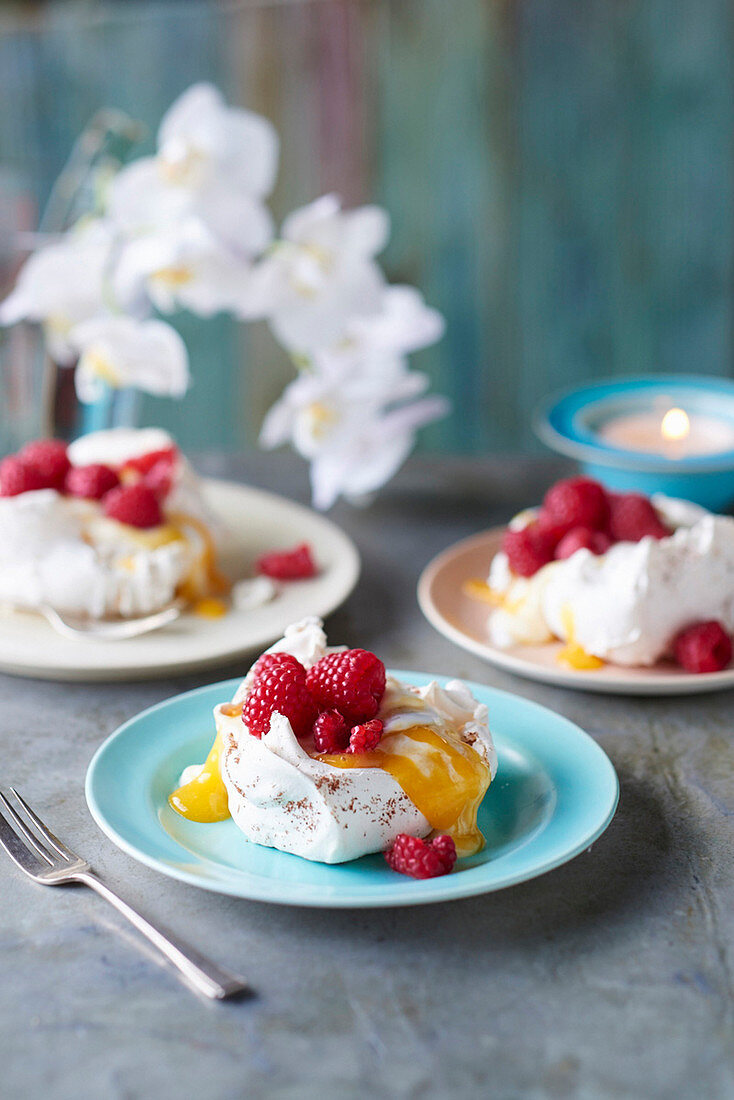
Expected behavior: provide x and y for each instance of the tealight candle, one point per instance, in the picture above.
(672, 435)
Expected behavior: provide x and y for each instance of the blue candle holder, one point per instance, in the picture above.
(569, 423)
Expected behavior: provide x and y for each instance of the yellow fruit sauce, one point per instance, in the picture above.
(572, 655)
(480, 590)
(210, 607)
(204, 577)
(204, 798)
(442, 776)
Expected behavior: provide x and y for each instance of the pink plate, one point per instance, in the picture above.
(463, 620)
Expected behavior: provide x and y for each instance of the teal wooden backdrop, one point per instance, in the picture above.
(559, 173)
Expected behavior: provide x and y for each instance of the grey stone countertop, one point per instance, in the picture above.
(609, 977)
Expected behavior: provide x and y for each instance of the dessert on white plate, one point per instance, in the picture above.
(322, 755)
(113, 524)
(617, 577)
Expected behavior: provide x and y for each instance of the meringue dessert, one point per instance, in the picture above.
(617, 577)
(114, 525)
(290, 772)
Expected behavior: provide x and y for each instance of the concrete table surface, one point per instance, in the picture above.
(610, 977)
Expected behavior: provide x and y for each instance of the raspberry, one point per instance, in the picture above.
(422, 858)
(578, 502)
(366, 737)
(280, 685)
(49, 458)
(268, 661)
(352, 682)
(703, 647)
(528, 549)
(136, 505)
(582, 538)
(143, 464)
(632, 517)
(288, 565)
(16, 477)
(90, 482)
(330, 733)
(552, 528)
(159, 478)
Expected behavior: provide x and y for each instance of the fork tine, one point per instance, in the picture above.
(18, 850)
(19, 826)
(44, 830)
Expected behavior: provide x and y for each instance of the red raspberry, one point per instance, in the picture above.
(136, 505)
(632, 517)
(330, 733)
(49, 458)
(366, 737)
(288, 565)
(552, 528)
(421, 858)
(578, 502)
(16, 477)
(280, 685)
(703, 647)
(143, 464)
(352, 682)
(582, 538)
(528, 549)
(159, 478)
(90, 482)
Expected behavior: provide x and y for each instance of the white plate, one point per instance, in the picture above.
(463, 620)
(255, 522)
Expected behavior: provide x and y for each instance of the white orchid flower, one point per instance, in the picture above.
(346, 425)
(182, 267)
(119, 352)
(62, 284)
(213, 162)
(321, 274)
(402, 324)
(369, 451)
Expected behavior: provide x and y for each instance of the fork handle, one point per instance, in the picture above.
(200, 973)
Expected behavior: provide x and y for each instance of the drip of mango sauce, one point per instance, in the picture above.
(204, 798)
(572, 655)
(210, 607)
(442, 776)
(480, 590)
(204, 577)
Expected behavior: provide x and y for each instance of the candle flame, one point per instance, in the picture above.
(675, 425)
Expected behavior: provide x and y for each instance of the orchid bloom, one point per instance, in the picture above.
(403, 323)
(213, 162)
(62, 284)
(348, 426)
(182, 267)
(118, 352)
(321, 274)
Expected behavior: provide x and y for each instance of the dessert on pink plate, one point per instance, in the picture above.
(618, 577)
(323, 755)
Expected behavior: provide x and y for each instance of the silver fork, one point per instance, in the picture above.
(39, 853)
(105, 630)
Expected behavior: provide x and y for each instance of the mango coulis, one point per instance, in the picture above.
(441, 774)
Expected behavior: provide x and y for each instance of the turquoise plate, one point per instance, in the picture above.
(554, 793)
